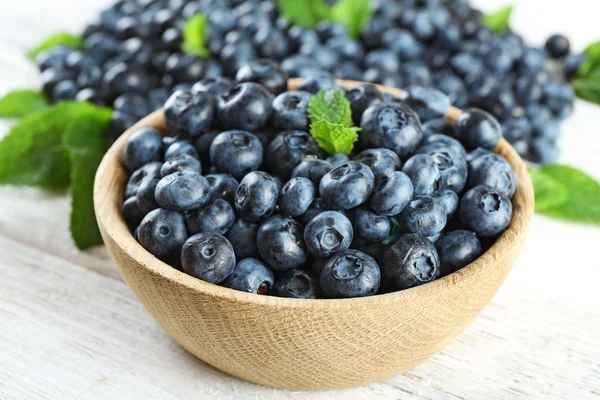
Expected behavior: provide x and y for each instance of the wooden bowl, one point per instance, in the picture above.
(307, 344)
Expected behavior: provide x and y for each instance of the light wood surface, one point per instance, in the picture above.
(71, 329)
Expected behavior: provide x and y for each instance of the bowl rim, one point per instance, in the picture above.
(108, 214)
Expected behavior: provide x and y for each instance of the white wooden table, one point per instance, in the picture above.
(71, 329)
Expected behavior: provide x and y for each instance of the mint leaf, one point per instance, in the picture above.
(85, 139)
(549, 192)
(591, 62)
(194, 35)
(587, 88)
(334, 138)
(331, 106)
(19, 103)
(306, 13)
(354, 14)
(582, 203)
(57, 39)
(32, 153)
(498, 21)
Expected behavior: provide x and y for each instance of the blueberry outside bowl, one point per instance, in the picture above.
(307, 344)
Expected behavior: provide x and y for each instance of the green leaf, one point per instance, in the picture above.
(32, 152)
(583, 201)
(56, 39)
(194, 35)
(334, 138)
(306, 13)
(592, 60)
(587, 88)
(19, 103)
(548, 191)
(331, 106)
(498, 21)
(85, 138)
(354, 14)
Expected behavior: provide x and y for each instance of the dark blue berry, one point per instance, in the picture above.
(290, 111)
(251, 276)
(180, 147)
(236, 153)
(145, 198)
(361, 98)
(280, 243)
(312, 168)
(132, 213)
(449, 200)
(288, 149)
(216, 217)
(370, 227)
(256, 196)
(350, 273)
(493, 170)
(328, 233)
(485, 211)
(427, 102)
(296, 196)
(242, 235)
(347, 186)
(265, 72)
(424, 215)
(208, 256)
(183, 191)
(456, 250)
(162, 232)
(222, 186)
(143, 146)
(381, 161)
(451, 165)
(316, 81)
(188, 114)
(215, 86)
(246, 106)
(146, 172)
(297, 284)
(557, 46)
(476, 128)
(391, 194)
(424, 174)
(410, 260)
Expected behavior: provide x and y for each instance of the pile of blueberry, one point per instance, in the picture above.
(132, 59)
(243, 196)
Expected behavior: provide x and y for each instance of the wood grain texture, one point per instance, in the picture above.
(312, 344)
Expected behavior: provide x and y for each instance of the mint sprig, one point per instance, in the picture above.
(56, 39)
(586, 83)
(567, 193)
(57, 146)
(353, 14)
(194, 35)
(498, 21)
(331, 122)
(19, 103)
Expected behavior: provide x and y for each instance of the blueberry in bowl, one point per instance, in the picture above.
(223, 310)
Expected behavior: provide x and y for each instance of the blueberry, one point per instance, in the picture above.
(64, 90)
(178, 148)
(91, 95)
(143, 146)
(381, 161)
(54, 57)
(236, 152)
(208, 256)
(346, 48)
(246, 106)
(266, 72)
(328, 233)
(251, 276)
(296, 196)
(290, 111)
(347, 185)
(451, 165)
(391, 194)
(222, 186)
(121, 78)
(132, 213)
(299, 36)
(476, 128)
(455, 88)
(449, 200)
(427, 102)
(485, 211)
(456, 250)
(316, 81)
(350, 273)
(146, 172)
(271, 43)
(382, 59)
(424, 174)
(494, 171)
(162, 232)
(312, 168)
(135, 104)
(402, 43)
(256, 196)
(182, 67)
(217, 217)
(337, 159)
(280, 243)
(297, 284)
(202, 145)
(438, 125)
(299, 65)
(316, 208)
(557, 46)
(361, 98)
(242, 235)
(322, 57)
(183, 191)
(392, 126)
(90, 76)
(288, 149)
(544, 151)
(410, 260)
(446, 141)
(424, 215)
(188, 114)
(215, 86)
(145, 199)
(571, 65)
(370, 227)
